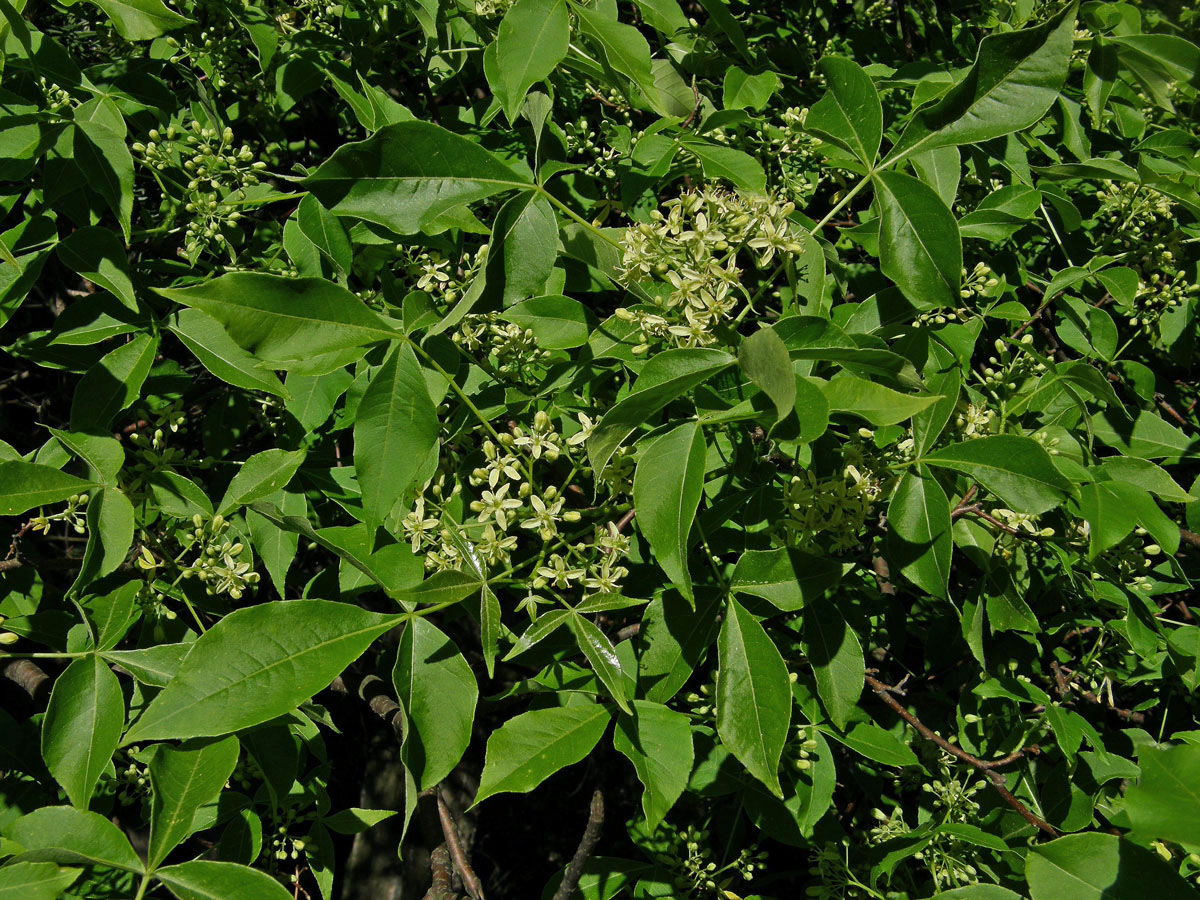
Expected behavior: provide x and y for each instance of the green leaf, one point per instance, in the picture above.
(262, 475)
(877, 404)
(1163, 803)
(276, 546)
(34, 881)
(667, 486)
(112, 384)
(1014, 80)
(979, 892)
(110, 521)
(1016, 469)
(395, 432)
(406, 175)
(355, 820)
(178, 496)
(206, 880)
(232, 679)
(184, 779)
(220, 354)
(623, 46)
(153, 666)
(69, 836)
(102, 154)
(874, 743)
(919, 245)
(98, 255)
(765, 360)
(437, 689)
(741, 90)
(286, 322)
(850, 114)
(24, 486)
(82, 727)
(1147, 437)
(557, 322)
(836, 657)
(1146, 475)
(141, 20)
(658, 741)
(665, 377)
(673, 640)
(523, 248)
(740, 169)
(104, 455)
(328, 234)
(531, 41)
(754, 696)
(787, 578)
(529, 748)
(1100, 867)
(602, 657)
(919, 538)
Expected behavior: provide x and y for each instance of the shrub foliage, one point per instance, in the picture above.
(778, 418)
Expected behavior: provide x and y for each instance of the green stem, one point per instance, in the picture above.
(576, 217)
(141, 891)
(79, 655)
(841, 204)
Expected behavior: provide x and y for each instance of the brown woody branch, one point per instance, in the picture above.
(461, 864)
(987, 767)
(29, 677)
(443, 877)
(591, 835)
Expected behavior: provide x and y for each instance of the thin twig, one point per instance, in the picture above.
(988, 767)
(587, 843)
(1064, 678)
(623, 522)
(1190, 536)
(461, 864)
(29, 677)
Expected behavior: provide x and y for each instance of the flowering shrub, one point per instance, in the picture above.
(776, 422)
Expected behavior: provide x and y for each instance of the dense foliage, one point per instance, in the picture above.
(775, 421)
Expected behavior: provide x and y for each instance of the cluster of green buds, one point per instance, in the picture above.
(697, 871)
(150, 445)
(1133, 559)
(512, 349)
(972, 189)
(584, 144)
(216, 44)
(686, 258)
(951, 794)
(979, 282)
(74, 515)
(879, 14)
(934, 317)
(1006, 372)
(284, 846)
(1162, 292)
(247, 774)
(888, 825)
(804, 748)
(320, 16)
(218, 173)
(132, 779)
(217, 562)
(701, 704)
(57, 98)
(152, 601)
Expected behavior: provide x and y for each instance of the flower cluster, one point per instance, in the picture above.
(217, 562)
(73, 515)
(219, 174)
(687, 260)
(511, 348)
(151, 446)
(833, 508)
(1006, 372)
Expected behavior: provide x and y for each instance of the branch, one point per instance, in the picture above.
(987, 767)
(29, 677)
(461, 864)
(587, 843)
(1067, 685)
(443, 877)
(371, 689)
